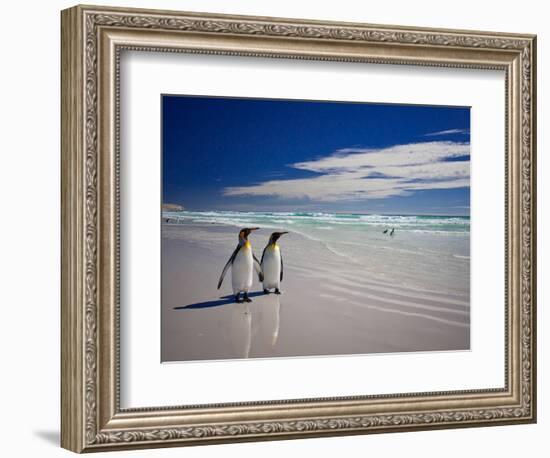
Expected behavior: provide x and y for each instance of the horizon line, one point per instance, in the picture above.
(330, 212)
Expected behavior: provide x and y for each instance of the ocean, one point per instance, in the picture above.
(451, 225)
(424, 251)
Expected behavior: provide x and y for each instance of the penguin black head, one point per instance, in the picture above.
(275, 236)
(244, 233)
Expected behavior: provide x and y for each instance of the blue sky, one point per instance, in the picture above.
(282, 155)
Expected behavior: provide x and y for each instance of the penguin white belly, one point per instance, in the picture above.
(271, 267)
(242, 270)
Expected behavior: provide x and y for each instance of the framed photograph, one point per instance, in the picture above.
(277, 228)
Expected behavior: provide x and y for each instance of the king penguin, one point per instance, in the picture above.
(242, 263)
(272, 264)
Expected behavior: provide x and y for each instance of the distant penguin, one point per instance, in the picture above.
(272, 264)
(392, 230)
(242, 263)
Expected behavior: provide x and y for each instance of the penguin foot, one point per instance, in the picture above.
(266, 291)
(237, 298)
(246, 298)
(277, 291)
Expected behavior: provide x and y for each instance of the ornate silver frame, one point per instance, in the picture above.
(92, 39)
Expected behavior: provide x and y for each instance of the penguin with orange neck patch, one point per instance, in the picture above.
(272, 264)
(242, 263)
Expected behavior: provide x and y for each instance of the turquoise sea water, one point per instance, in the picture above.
(442, 225)
(428, 251)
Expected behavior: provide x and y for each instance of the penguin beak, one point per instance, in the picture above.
(275, 236)
(253, 228)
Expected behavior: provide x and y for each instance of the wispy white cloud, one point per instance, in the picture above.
(447, 132)
(354, 174)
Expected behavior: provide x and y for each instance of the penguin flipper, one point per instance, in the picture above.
(281, 279)
(226, 268)
(258, 267)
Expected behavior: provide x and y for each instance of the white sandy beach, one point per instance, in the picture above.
(346, 297)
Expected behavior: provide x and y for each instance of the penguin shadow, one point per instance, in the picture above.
(224, 300)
